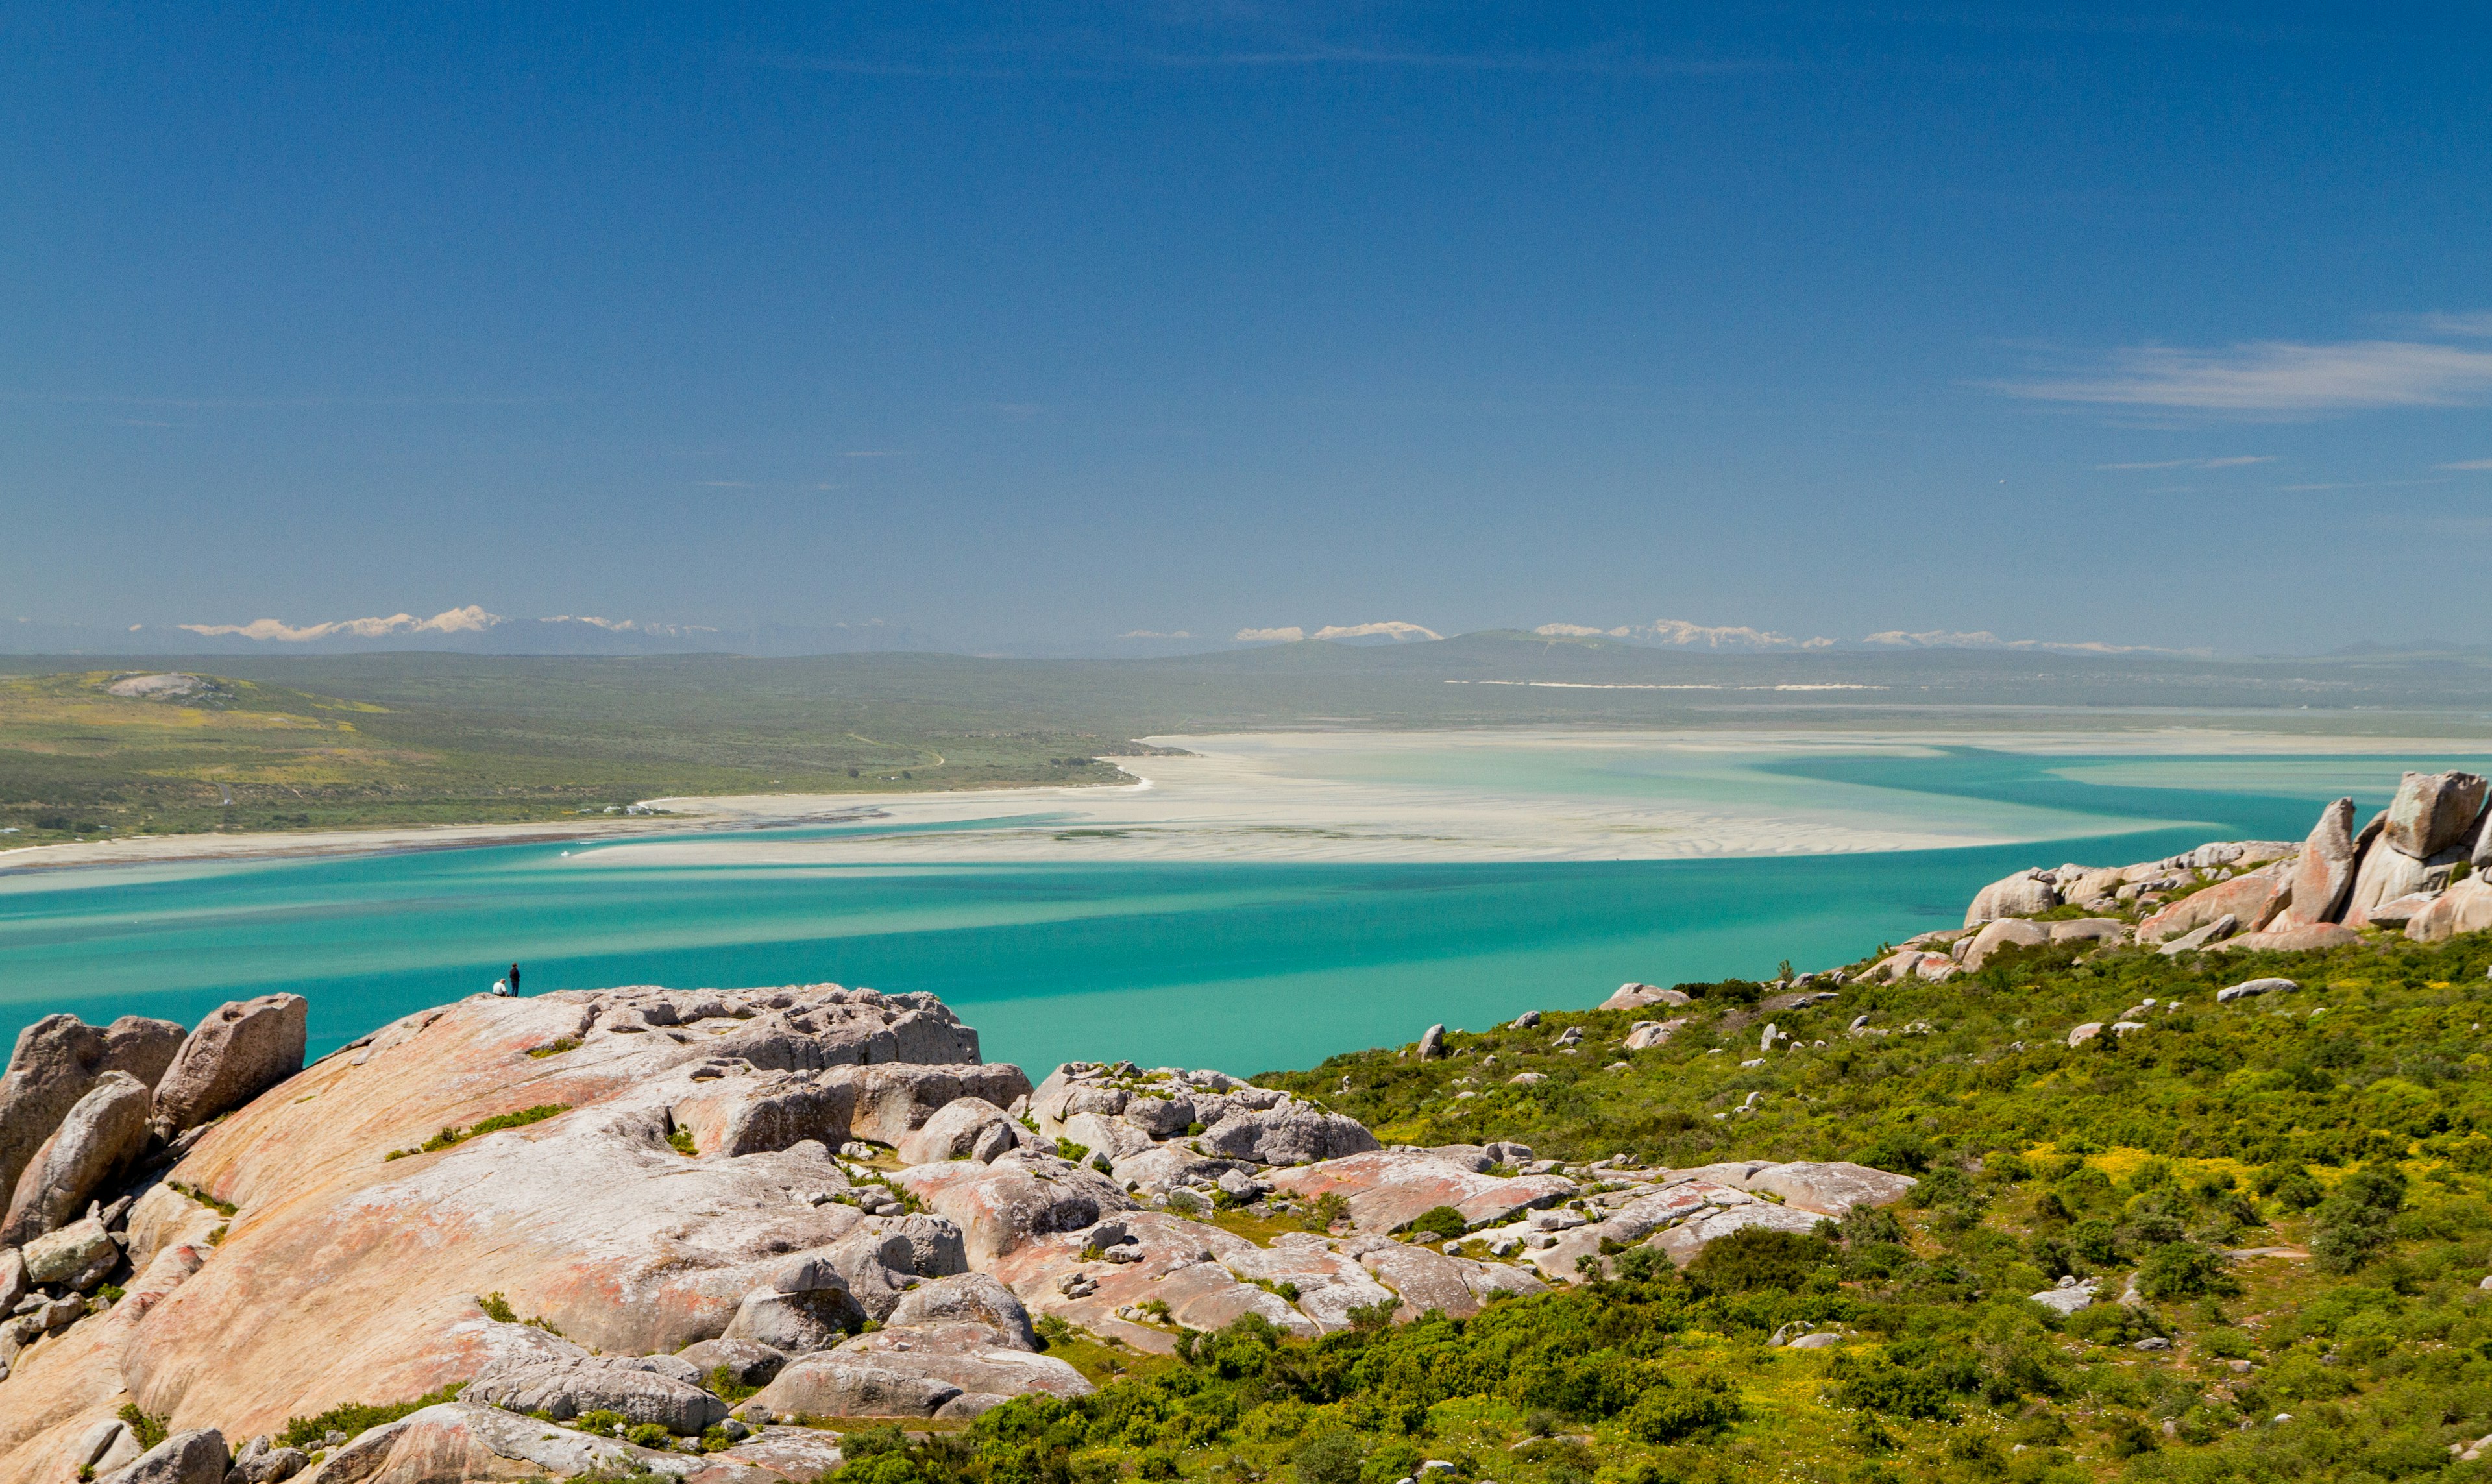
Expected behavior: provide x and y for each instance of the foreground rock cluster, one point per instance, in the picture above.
(580, 1222)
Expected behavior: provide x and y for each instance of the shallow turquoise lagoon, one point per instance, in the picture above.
(1241, 966)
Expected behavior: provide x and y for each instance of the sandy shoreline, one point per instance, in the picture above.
(1346, 796)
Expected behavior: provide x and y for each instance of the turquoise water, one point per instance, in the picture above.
(1242, 966)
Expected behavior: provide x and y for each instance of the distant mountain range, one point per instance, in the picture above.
(473, 630)
(469, 630)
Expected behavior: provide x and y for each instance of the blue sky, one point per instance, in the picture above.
(1039, 325)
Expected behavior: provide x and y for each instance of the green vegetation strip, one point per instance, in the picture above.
(457, 1136)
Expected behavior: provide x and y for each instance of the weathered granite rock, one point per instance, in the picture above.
(2251, 900)
(747, 1363)
(2100, 929)
(243, 1049)
(564, 1389)
(1330, 1282)
(1432, 1043)
(964, 1128)
(1636, 997)
(2294, 937)
(895, 1100)
(806, 1306)
(1176, 1262)
(1425, 1279)
(834, 1384)
(194, 1457)
(101, 1137)
(2432, 811)
(798, 1454)
(1024, 1194)
(2384, 875)
(2198, 938)
(2465, 907)
(1831, 1189)
(1645, 1035)
(973, 1298)
(349, 1276)
(1388, 1189)
(1291, 1133)
(976, 1358)
(2021, 895)
(13, 1279)
(1682, 1242)
(2081, 1034)
(2069, 1296)
(744, 1111)
(2002, 933)
(2325, 874)
(55, 1063)
(463, 1441)
(76, 1256)
(2398, 912)
(260, 1462)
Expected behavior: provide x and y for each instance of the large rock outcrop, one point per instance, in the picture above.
(56, 1062)
(351, 1266)
(239, 1051)
(101, 1138)
(2022, 895)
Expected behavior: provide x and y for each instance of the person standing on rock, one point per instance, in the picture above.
(515, 979)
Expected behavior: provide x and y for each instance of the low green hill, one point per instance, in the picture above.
(2294, 1183)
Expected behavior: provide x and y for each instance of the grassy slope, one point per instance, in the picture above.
(2248, 1125)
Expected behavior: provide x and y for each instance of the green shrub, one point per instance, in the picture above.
(680, 1139)
(356, 1418)
(1755, 1257)
(2184, 1270)
(149, 1431)
(2352, 1224)
(1666, 1415)
(1440, 1221)
(1328, 1458)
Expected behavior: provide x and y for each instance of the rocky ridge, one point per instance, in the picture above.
(582, 1221)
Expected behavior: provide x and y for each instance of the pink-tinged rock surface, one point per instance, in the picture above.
(2004, 932)
(2294, 937)
(1636, 997)
(2384, 875)
(1390, 1188)
(1329, 1283)
(1424, 1278)
(1181, 1263)
(60, 1386)
(2252, 901)
(1830, 1188)
(1682, 1242)
(2432, 811)
(1022, 1194)
(2465, 907)
(2021, 895)
(349, 1276)
(2325, 874)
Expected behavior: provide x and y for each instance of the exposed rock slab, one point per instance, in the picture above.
(461, 1440)
(1022, 1195)
(2465, 907)
(1388, 1189)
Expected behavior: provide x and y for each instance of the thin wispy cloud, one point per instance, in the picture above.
(2472, 324)
(870, 452)
(2466, 465)
(2275, 378)
(2234, 462)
